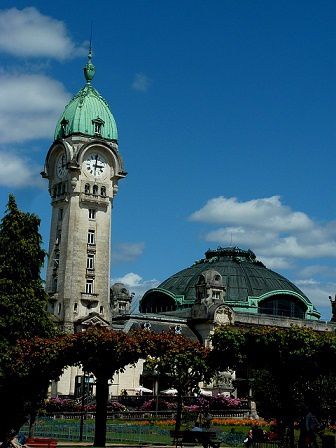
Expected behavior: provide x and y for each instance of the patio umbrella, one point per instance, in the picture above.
(206, 393)
(169, 392)
(142, 389)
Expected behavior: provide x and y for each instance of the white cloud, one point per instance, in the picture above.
(28, 33)
(266, 213)
(18, 172)
(141, 82)
(276, 262)
(131, 279)
(30, 106)
(241, 236)
(299, 248)
(137, 285)
(317, 269)
(269, 227)
(317, 292)
(127, 251)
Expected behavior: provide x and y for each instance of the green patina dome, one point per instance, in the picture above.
(87, 113)
(249, 285)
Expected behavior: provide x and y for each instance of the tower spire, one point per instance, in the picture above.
(89, 69)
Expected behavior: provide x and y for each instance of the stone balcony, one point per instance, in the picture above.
(89, 298)
(94, 199)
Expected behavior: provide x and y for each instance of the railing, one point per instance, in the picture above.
(117, 433)
(114, 433)
(144, 415)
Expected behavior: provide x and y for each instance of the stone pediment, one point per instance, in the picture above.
(93, 319)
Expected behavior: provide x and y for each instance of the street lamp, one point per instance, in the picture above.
(81, 427)
(156, 390)
(85, 379)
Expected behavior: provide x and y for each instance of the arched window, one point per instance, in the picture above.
(95, 190)
(98, 123)
(87, 188)
(103, 191)
(157, 301)
(64, 124)
(283, 305)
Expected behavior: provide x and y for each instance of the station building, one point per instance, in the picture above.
(228, 286)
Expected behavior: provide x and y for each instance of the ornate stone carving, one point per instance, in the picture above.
(224, 315)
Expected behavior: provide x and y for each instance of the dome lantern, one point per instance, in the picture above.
(89, 69)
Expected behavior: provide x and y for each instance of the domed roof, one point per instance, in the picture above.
(246, 280)
(87, 113)
(243, 275)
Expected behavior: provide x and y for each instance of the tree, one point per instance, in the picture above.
(182, 361)
(284, 363)
(22, 307)
(104, 352)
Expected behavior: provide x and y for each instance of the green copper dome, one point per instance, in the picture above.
(87, 113)
(249, 287)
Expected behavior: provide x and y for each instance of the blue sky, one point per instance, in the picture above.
(226, 116)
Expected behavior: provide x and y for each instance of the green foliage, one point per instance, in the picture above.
(228, 348)
(184, 363)
(105, 352)
(22, 297)
(22, 313)
(291, 367)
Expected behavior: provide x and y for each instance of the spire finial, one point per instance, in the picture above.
(89, 69)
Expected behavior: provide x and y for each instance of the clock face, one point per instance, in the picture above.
(61, 166)
(95, 164)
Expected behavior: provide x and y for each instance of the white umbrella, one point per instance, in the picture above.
(169, 392)
(206, 393)
(142, 389)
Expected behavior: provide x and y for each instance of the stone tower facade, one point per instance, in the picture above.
(83, 167)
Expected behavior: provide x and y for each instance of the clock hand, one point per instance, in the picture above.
(95, 165)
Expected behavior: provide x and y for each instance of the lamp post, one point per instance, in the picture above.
(81, 427)
(156, 390)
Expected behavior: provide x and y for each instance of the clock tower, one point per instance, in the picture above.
(83, 167)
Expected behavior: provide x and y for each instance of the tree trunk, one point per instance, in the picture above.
(178, 412)
(291, 432)
(101, 411)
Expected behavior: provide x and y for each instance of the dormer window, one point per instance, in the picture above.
(64, 127)
(98, 123)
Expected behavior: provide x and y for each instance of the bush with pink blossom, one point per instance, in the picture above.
(163, 405)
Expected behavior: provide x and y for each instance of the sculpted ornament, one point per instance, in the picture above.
(74, 181)
(224, 315)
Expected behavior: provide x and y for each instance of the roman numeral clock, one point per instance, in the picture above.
(95, 164)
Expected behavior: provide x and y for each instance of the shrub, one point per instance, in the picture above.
(115, 406)
(163, 405)
(221, 402)
(57, 404)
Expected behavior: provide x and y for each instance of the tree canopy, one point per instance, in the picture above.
(23, 300)
(183, 361)
(289, 367)
(22, 309)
